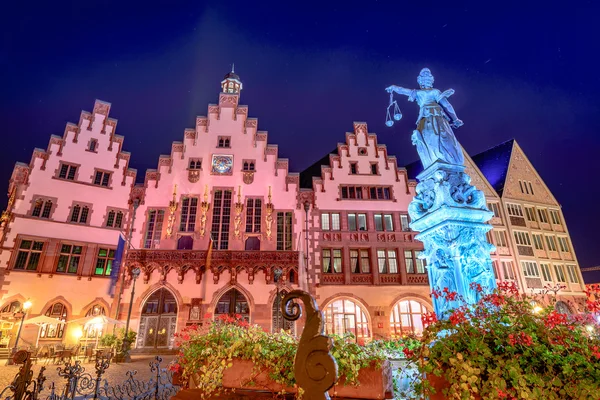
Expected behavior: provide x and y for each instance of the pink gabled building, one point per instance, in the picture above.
(339, 229)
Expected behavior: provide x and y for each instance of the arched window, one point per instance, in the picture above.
(85, 211)
(37, 208)
(42, 208)
(110, 220)
(12, 307)
(292, 278)
(233, 302)
(55, 331)
(119, 220)
(279, 322)
(91, 331)
(345, 315)
(562, 308)
(406, 317)
(75, 213)
(159, 320)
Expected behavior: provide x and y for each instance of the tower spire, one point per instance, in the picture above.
(233, 68)
(231, 83)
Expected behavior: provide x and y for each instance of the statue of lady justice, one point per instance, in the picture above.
(433, 137)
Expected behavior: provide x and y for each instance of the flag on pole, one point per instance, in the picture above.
(116, 267)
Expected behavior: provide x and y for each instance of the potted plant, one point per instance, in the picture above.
(506, 347)
(231, 354)
(115, 343)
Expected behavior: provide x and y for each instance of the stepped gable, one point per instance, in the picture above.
(493, 164)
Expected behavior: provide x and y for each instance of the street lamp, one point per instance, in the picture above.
(127, 358)
(26, 306)
(278, 272)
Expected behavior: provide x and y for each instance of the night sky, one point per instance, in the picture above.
(526, 72)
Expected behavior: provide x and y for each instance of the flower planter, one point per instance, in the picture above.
(440, 383)
(375, 383)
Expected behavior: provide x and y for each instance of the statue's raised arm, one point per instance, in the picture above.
(399, 90)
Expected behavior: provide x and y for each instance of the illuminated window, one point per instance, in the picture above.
(233, 302)
(563, 243)
(530, 213)
(91, 331)
(387, 261)
(384, 222)
(551, 242)
(104, 261)
(12, 307)
(414, 264)
(406, 318)
(154, 228)
(530, 269)
(253, 215)
(559, 271)
(330, 221)
(546, 272)
(284, 230)
(572, 272)
(68, 260)
(189, 206)
(357, 222)
(555, 217)
(359, 261)
(538, 242)
(55, 331)
(404, 223)
(346, 316)
(543, 214)
(221, 219)
(332, 261)
(28, 256)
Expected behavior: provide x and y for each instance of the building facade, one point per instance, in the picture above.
(222, 226)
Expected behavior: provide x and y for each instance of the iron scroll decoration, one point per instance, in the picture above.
(315, 369)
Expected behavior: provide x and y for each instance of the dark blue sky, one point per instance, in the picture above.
(526, 71)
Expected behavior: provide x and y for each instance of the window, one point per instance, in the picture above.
(248, 165)
(67, 172)
(189, 207)
(522, 238)
(546, 272)
(12, 307)
(507, 268)
(332, 261)
(380, 193)
(91, 331)
(104, 261)
(559, 270)
(530, 188)
(404, 223)
(68, 261)
(154, 228)
(114, 219)
(79, 214)
(495, 209)
(384, 222)
(352, 192)
(563, 243)
(374, 169)
(55, 331)
(231, 303)
(530, 269)
(224, 142)
(195, 163)
(93, 144)
(284, 230)
(330, 222)
(514, 210)
(501, 240)
(538, 242)
(221, 219)
(353, 168)
(253, 215)
(42, 208)
(572, 272)
(414, 263)
(359, 261)
(387, 262)
(357, 222)
(102, 178)
(551, 242)
(530, 213)
(521, 186)
(543, 215)
(555, 217)
(406, 318)
(28, 256)
(346, 316)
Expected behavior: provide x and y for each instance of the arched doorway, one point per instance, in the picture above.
(279, 322)
(233, 302)
(346, 315)
(158, 321)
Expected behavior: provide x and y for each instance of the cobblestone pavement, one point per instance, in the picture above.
(116, 373)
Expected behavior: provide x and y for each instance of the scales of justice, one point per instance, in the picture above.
(449, 213)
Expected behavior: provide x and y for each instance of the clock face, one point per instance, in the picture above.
(222, 164)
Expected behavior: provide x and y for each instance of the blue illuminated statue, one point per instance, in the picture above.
(448, 211)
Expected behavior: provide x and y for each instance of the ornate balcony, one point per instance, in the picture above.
(194, 262)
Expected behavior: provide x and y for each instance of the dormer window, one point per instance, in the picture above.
(353, 168)
(195, 163)
(249, 165)
(93, 145)
(224, 142)
(374, 169)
